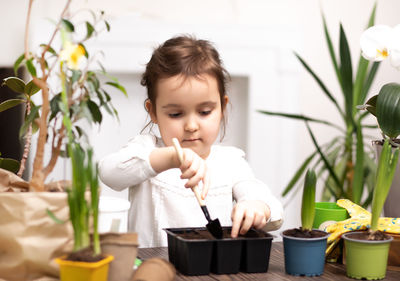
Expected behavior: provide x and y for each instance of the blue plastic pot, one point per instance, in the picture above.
(304, 256)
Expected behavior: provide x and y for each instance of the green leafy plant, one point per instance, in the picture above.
(377, 44)
(308, 201)
(61, 74)
(386, 169)
(344, 163)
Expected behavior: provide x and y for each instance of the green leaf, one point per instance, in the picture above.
(31, 68)
(86, 51)
(89, 30)
(17, 63)
(67, 25)
(388, 110)
(118, 86)
(308, 201)
(55, 105)
(331, 50)
(15, 84)
(95, 112)
(358, 179)
(9, 164)
(31, 88)
(369, 80)
(384, 177)
(321, 84)
(299, 117)
(346, 73)
(298, 174)
(10, 103)
(358, 96)
(49, 49)
(107, 25)
(28, 120)
(328, 166)
(53, 217)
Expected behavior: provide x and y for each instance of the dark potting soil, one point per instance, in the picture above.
(85, 255)
(372, 236)
(226, 233)
(300, 233)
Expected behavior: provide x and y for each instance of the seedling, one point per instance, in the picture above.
(308, 202)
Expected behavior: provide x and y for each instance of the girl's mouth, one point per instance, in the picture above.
(191, 140)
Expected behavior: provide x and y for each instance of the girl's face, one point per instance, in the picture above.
(189, 110)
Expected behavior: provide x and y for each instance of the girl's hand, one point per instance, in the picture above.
(247, 214)
(194, 169)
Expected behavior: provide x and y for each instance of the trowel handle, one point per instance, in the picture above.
(179, 152)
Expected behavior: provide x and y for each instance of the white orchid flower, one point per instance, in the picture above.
(380, 42)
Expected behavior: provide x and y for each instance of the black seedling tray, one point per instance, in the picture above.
(194, 251)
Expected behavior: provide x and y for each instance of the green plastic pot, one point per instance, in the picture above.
(328, 211)
(366, 259)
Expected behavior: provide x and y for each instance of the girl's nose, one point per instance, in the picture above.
(191, 124)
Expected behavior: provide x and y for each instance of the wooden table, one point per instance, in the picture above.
(276, 270)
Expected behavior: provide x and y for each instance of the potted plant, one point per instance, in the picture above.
(61, 74)
(378, 43)
(344, 162)
(367, 252)
(85, 262)
(304, 247)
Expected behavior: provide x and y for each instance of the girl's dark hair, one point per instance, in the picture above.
(187, 56)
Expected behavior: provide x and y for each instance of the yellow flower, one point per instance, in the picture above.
(72, 53)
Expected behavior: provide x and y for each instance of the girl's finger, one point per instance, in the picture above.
(197, 177)
(237, 217)
(247, 222)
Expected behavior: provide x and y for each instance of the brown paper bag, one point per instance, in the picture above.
(29, 238)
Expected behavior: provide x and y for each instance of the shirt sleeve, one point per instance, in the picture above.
(130, 165)
(247, 187)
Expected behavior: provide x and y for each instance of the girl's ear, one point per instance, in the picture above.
(151, 110)
(226, 100)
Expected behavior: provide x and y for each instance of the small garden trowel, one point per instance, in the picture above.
(213, 226)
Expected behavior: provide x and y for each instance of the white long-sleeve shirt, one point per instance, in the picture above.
(160, 200)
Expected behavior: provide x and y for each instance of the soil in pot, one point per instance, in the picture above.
(301, 233)
(226, 234)
(85, 255)
(365, 235)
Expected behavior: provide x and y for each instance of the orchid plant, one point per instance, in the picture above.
(70, 89)
(378, 43)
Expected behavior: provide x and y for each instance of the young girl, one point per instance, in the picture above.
(187, 100)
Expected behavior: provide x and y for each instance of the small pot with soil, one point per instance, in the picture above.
(304, 251)
(194, 251)
(304, 248)
(366, 257)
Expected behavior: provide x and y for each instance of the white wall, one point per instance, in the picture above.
(303, 16)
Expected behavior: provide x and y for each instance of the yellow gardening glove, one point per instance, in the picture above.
(360, 219)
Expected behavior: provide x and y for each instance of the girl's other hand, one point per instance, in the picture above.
(194, 169)
(247, 214)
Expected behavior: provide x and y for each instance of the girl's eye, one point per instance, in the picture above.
(174, 115)
(205, 112)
